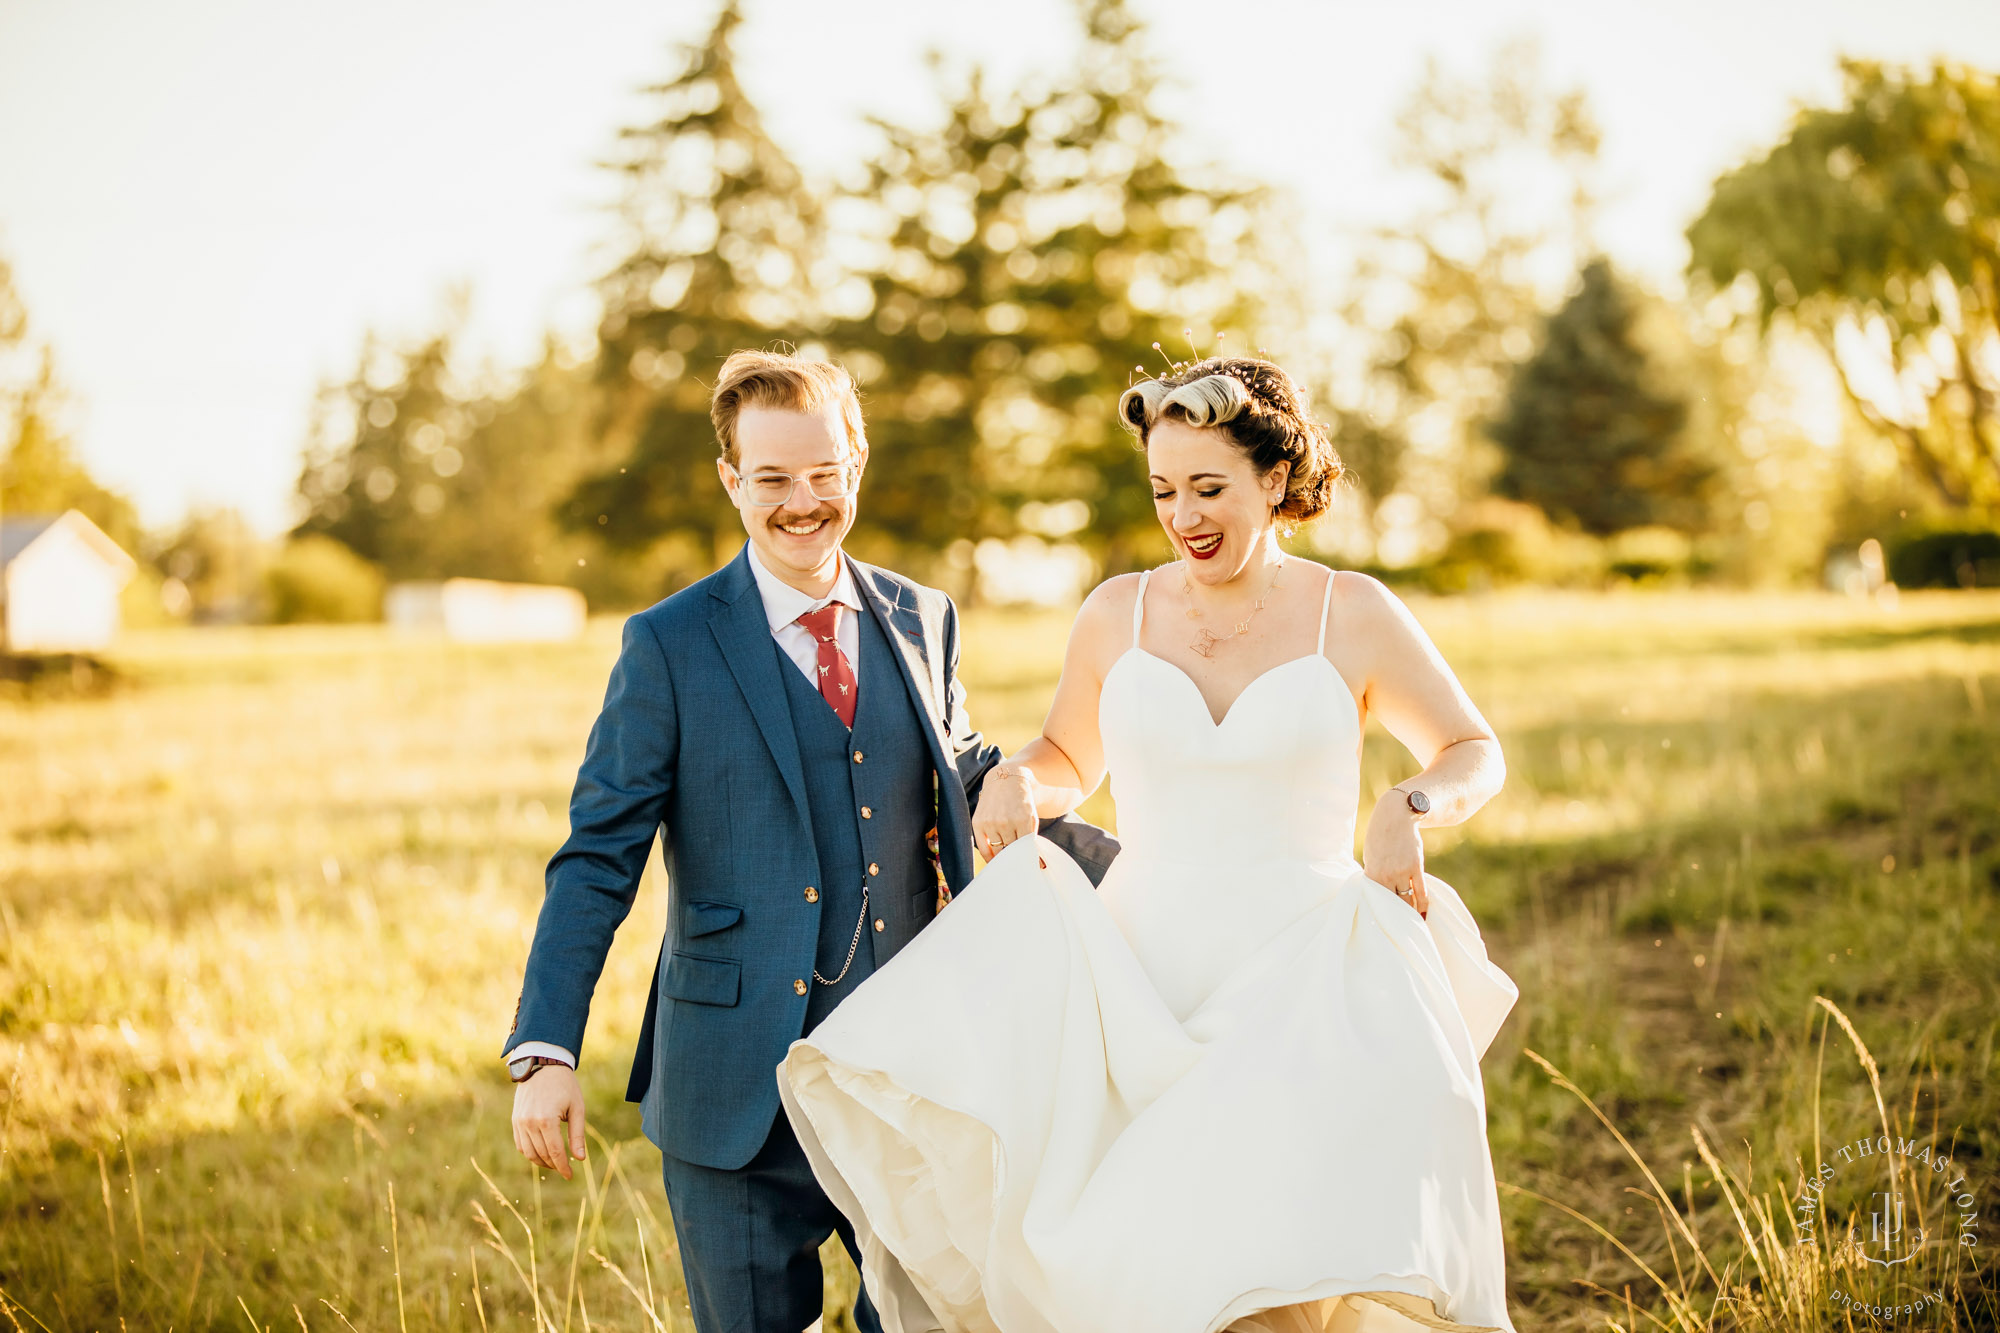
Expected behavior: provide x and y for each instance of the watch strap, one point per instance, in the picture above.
(533, 1063)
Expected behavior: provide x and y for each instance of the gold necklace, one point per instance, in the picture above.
(1206, 638)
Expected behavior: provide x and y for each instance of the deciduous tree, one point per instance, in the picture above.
(40, 472)
(1875, 227)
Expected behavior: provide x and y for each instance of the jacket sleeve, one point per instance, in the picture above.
(1088, 845)
(617, 806)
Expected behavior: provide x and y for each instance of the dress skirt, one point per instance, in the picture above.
(1208, 1096)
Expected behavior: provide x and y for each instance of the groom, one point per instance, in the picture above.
(794, 729)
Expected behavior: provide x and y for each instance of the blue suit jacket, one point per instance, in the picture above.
(695, 742)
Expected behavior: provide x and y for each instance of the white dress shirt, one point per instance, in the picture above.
(783, 605)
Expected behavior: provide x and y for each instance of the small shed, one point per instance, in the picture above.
(60, 577)
(483, 611)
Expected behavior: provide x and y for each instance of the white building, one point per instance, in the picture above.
(60, 578)
(483, 611)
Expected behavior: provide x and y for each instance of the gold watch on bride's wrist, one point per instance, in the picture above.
(1418, 803)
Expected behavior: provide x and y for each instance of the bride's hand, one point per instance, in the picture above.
(1392, 852)
(1006, 811)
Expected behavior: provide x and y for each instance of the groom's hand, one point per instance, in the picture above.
(1006, 811)
(548, 1098)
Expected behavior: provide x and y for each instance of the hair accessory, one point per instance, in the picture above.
(1194, 354)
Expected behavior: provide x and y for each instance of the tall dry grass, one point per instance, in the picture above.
(1782, 1262)
(263, 909)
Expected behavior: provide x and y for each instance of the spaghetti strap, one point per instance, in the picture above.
(1325, 605)
(1139, 605)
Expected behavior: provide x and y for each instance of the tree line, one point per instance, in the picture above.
(1510, 404)
(991, 281)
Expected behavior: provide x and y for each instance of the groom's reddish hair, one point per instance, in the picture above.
(786, 381)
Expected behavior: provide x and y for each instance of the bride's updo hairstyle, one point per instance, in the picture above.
(1260, 409)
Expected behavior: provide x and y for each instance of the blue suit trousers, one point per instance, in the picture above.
(750, 1240)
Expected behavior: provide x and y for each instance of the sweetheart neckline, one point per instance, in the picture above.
(1229, 712)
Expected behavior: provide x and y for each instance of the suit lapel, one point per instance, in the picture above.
(902, 624)
(918, 645)
(744, 636)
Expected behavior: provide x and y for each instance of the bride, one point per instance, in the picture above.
(1238, 1087)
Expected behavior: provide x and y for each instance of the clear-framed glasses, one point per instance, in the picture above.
(775, 488)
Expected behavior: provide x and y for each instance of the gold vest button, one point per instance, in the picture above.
(857, 756)
(878, 924)
(874, 869)
(866, 813)
(812, 894)
(799, 987)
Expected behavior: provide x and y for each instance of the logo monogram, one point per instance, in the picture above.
(1887, 1242)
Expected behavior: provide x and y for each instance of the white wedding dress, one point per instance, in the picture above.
(1237, 1087)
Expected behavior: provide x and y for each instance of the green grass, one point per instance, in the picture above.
(265, 900)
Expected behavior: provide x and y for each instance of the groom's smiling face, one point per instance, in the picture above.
(798, 540)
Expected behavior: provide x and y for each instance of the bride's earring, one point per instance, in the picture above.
(1286, 527)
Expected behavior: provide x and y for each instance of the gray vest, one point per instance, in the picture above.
(869, 814)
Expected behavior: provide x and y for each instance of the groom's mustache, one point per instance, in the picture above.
(826, 512)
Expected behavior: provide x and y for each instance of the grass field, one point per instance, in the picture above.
(264, 905)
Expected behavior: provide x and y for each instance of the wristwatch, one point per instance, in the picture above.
(1419, 803)
(522, 1068)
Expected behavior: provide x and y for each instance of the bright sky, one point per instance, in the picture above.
(207, 202)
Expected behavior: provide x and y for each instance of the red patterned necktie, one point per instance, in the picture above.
(836, 673)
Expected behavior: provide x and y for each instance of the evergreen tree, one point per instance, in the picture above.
(1587, 435)
(1506, 165)
(1031, 252)
(721, 235)
(429, 477)
(528, 451)
(385, 456)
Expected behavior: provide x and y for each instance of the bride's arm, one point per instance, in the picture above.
(1423, 706)
(1053, 774)
(1420, 701)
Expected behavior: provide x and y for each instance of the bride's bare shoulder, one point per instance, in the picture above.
(1363, 594)
(1371, 611)
(1113, 595)
(1104, 621)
